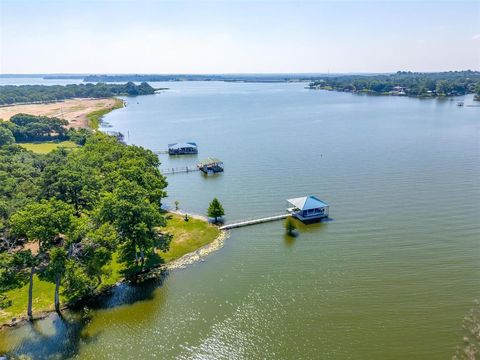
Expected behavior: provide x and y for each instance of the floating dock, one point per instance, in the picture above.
(254, 221)
(210, 166)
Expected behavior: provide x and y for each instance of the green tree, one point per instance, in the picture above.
(55, 271)
(97, 249)
(443, 87)
(41, 223)
(14, 269)
(290, 226)
(72, 182)
(104, 197)
(215, 210)
(77, 282)
(6, 136)
(135, 219)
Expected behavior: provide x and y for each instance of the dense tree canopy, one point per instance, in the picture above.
(12, 94)
(79, 208)
(404, 83)
(6, 136)
(26, 127)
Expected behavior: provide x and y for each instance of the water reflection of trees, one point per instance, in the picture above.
(60, 336)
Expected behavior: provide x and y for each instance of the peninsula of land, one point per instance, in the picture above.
(76, 221)
(75, 111)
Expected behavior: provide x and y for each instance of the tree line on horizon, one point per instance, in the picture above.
(14, 94)
(452, 83)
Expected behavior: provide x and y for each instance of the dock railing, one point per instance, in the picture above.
(177, 170)
(254, 221)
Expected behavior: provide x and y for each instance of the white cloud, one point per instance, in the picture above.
(476, 37)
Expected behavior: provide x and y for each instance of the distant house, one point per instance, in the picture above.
(308, 208)
(398, 90)
(183, 148)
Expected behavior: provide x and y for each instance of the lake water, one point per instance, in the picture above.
(392, 276)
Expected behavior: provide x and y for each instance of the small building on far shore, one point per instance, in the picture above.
(308, 208)
(188, 148)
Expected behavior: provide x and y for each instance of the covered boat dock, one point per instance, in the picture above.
(210, 165)
(187, 148)
(308, 208)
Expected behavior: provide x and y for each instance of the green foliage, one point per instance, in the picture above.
(56, 264)
(79, 136)
(26, 127)
(215, 210)
(187, 237)
(404, 83)
(82, 207)
(13, 267)
(5, 302)
(20, 172)
(11, 94)
(95, 250)
(43, 221)
(6, 136)
(71, 181)
(95, 117)
(77, 283)
(135, 218)
(290, 226)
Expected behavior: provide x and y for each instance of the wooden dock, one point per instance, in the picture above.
(254, 221)
(178, 170)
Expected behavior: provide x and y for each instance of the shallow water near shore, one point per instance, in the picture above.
(390, 277)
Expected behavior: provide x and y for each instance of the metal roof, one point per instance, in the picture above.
(209, 161)
(307, 202)
(176, 146)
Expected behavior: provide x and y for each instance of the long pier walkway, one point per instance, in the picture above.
(254, 221)
(177, 170)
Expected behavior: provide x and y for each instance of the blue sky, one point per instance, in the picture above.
(237, 36)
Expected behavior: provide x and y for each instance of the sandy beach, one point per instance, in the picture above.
(73, 110)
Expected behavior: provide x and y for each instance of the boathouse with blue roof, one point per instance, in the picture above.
(186, 148)
(308, 208)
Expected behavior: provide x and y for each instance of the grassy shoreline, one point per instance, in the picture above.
(188, 237)
(95, 117)
(188, 240)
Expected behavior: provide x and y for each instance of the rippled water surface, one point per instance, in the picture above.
(390, 277)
